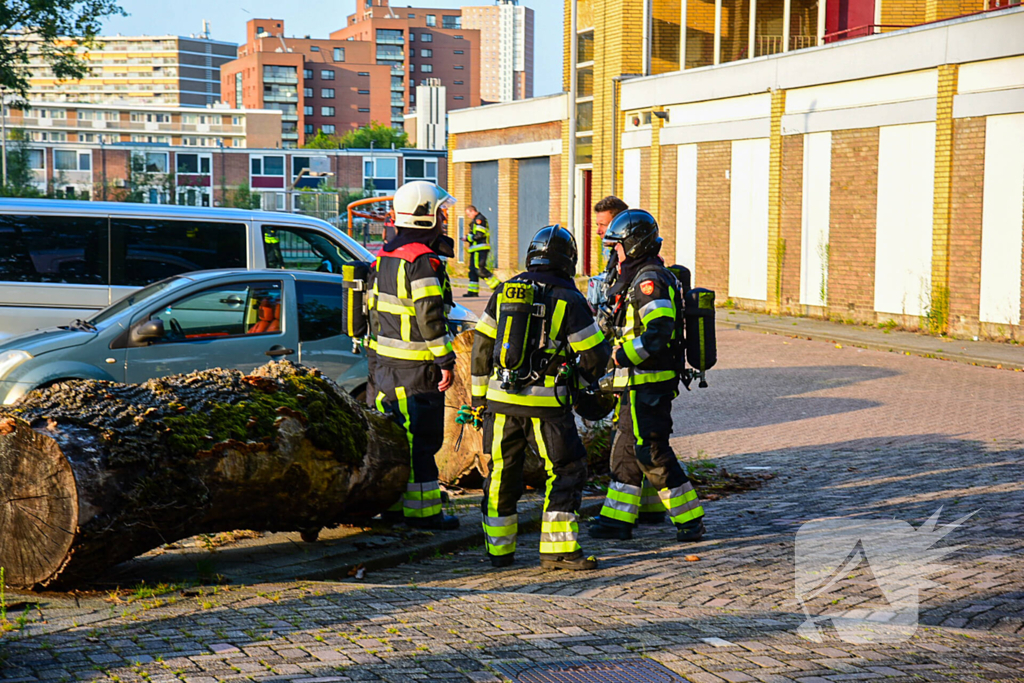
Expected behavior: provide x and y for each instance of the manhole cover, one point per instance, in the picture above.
(616, 671)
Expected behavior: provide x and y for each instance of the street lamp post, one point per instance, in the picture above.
(3, 137)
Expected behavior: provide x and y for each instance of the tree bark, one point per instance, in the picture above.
(455, 463)
(95, 473)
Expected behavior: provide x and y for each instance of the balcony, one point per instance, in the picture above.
(398, 71)
(281, 80)
(397, 102)
(772, 45)
(391, 55)
(390, 40)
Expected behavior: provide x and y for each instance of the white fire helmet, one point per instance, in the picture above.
(416, 204)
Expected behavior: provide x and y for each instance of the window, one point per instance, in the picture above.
(381, 171)
(326, 111)
(327, 74)
(156, 162)
(307, 92)
(426, 68)
(412, 37)
(450, 22)
(231, 310)
(364, 92)
(320, 310)
(431, 20)
(457, 37)
(307, 110)
(307, 74)
(426, 53)
(411, 16)
(459, 97)
(364, 110)
(458, 67)
(327, 93)
(457, 83)
(390, 36)
(314, 48)
(420, 169)
(36, 159)
(364, 73)
(268, 166)
(339, 54)
(146, 250)
(308, 128)
(192, 163)
(65, 160)
(412, 52)
(427, 37)
(68, 249)
(460, 52)
(328, 129)
(298, 249)
(238, 89)
(412, 68)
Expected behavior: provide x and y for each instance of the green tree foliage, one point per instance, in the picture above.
(242, 197)
(323, 141)
(19, 170)
(382, 137)
(79, 20)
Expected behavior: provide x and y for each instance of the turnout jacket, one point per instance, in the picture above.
(571, 331)
(479, 234)
(408, 318)
(645, 327)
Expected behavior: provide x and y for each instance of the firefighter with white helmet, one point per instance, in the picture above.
(413, 357)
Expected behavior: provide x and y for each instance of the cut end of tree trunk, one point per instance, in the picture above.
(38, 505)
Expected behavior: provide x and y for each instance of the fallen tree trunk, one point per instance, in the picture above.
(95, 473)
(453, 463)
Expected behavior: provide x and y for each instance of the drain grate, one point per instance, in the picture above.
(612, 671)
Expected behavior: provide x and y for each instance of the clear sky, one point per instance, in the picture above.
(318, 18)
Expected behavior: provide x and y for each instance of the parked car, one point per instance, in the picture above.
(61, 260)
(225, 318)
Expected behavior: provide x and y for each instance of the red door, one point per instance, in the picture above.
(848, 19)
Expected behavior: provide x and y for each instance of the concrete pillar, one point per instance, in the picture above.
(786, 19)
(752, 33)
(822, 13)
(682, 34)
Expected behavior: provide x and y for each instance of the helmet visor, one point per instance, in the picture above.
(445, 200)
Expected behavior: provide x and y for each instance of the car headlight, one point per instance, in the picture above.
(12, 359)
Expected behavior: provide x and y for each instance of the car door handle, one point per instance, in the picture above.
(278, 350)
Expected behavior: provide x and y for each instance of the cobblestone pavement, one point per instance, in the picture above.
(848, 433)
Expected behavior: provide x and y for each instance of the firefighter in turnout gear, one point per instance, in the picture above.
(547, 344)
(478, 241)
(647, 302)
(411, 343)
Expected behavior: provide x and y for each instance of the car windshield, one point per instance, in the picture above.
(115, 309)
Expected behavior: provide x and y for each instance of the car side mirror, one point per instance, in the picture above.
(149, 331)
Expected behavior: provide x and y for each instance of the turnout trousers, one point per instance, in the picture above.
(421, 416)
(641, 451)
(565, 461)
(477, 268)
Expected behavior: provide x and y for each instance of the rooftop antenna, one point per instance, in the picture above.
(206, 29)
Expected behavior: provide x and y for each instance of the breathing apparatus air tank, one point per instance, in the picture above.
(701, 348)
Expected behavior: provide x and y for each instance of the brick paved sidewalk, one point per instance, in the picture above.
(849, 432)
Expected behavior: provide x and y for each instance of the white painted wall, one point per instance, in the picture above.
(903, 237)
(748, 220)
(817, 188)
(631, 178)
(686, 208)
(1002, 218)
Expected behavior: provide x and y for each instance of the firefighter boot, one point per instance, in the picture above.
(651, 518)
(574, 561)
(690, 532)
(499, 561)
(605, 527)
(438, 522)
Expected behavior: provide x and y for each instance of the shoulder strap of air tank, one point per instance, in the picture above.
(409, 252)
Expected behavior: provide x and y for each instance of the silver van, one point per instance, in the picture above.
(62, 260)
(236, 319)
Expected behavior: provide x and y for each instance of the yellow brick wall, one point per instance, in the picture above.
(902, 13)
(948, 78)
(776, 245)
(508, 208)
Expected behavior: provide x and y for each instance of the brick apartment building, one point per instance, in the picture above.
(876, 175)
(367, 71)
(206, 177)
